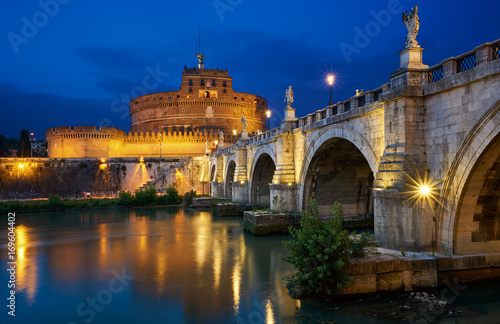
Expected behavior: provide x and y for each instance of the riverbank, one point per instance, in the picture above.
(146, 198)
(42, 206)
(383, 270)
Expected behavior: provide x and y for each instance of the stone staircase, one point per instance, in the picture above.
(165, 173)
(391, 174)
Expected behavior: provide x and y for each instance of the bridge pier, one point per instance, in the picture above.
(240, 191)
(402, 224)
(286, 197)
(217, 189)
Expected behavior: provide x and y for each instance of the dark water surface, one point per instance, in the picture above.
(168, 265)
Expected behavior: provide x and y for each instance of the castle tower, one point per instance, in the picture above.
(205, 101)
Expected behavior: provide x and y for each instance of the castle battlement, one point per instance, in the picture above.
(169, 124)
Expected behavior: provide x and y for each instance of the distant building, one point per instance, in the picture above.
(169, 124)
(39, 149)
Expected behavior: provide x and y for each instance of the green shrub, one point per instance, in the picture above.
(55, 202)
(358, 245)
(173, 195)
(146, 196)
(188, 198)
(125, 198)
(320, 254)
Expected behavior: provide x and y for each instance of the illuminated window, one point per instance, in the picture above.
(208, 93)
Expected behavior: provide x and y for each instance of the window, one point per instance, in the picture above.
(224, 84)
(213, 83)
(202, 82)
(224, 91)
(190, 81)
(190, 89)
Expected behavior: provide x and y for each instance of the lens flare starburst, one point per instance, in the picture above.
(423, 190)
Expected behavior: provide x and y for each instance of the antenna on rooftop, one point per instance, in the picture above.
(199, 55)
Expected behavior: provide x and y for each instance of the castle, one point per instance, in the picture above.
(188, 122)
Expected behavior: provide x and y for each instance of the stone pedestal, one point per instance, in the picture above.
(290, 114)
(287, 197)
(244, 134)
(240, 191)
(411, 58)
(217, 189)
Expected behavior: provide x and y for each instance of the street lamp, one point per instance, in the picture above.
(330, 83)
(268, 116)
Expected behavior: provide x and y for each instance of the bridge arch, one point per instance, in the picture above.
(213, 171)
(471, 185)
(339, 165)
(262, 172)
(229, 171)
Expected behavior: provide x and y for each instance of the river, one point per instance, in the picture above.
(169, 265)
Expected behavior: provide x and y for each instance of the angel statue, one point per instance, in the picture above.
(289, 97)
(200, 59)
(221, 137)
(244, 122)
(412, 23)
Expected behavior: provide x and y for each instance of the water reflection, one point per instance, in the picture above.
(188, 268)
(26, 267)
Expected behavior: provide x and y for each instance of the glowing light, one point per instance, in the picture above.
(289, 184)
(234, 131)
(268, 113)
(242, 182)
(216, 142)
(103, 166)
(103, 160)
(330, 79)
(141, 160)
(21, 166)
(424, 190)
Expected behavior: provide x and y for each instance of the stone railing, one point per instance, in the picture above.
(480, 55)
(454, 65)
(353, 103)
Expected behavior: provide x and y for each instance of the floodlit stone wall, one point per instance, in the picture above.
(437, 126)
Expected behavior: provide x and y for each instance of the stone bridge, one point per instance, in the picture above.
(436, 126)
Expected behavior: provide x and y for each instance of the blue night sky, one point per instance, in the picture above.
(81, 63)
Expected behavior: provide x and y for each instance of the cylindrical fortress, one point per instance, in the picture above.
(205, 102)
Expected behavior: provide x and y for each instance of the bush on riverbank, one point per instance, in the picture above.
(320, 253)
(147, 197)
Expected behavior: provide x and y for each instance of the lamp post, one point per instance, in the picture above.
(330, 83)
(268, 116)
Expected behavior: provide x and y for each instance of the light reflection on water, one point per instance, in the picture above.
(188, 267)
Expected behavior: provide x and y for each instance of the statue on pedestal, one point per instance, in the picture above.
(244, 122)
(412, 23)
(200, 60)
(289, 97)
(221, 138)
(207, 147)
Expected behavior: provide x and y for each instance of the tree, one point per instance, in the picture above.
(24, 149)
